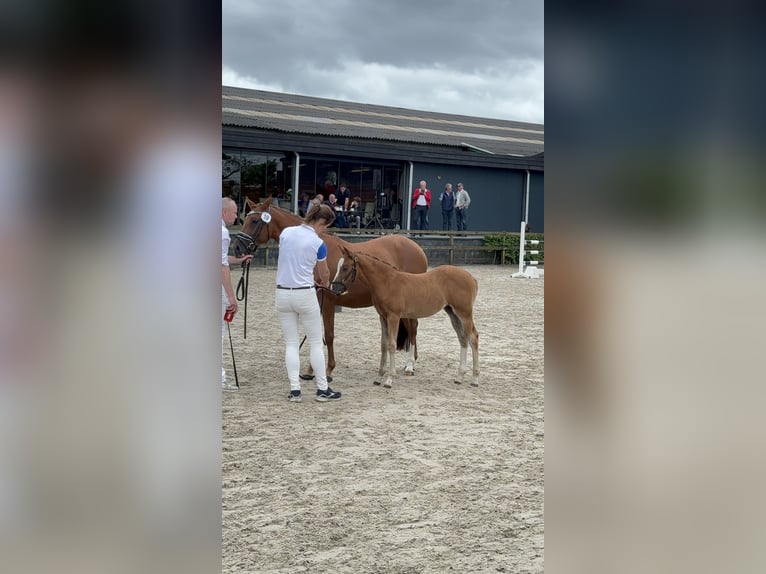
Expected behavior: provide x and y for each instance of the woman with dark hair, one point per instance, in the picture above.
(302, 254)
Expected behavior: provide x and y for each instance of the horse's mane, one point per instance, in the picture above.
(394, 267)
(286, 211)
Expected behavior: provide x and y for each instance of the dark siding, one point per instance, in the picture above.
(497, 196)
(537, 203)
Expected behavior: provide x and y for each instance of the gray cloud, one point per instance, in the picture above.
(482, 58)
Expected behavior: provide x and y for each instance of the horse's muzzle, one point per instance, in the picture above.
(338, 288)
(242, 244)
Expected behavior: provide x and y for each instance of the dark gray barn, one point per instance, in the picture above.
(294, 147)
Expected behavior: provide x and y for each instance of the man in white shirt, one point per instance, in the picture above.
(228, 299)
(462, 201)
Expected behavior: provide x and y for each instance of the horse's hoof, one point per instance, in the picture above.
(458, 382)
(329, 379)
(306, 377)
(387, 385)
(376, 383)
(409, 373)
(474, 384)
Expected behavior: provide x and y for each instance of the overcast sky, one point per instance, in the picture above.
(480, 58)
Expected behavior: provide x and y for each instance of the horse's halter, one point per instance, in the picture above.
(341, 285)
(248, 243)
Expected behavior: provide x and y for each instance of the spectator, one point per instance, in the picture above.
(302, 253)
(228, 299)
(337, 208)
(355, 212)
(421, 202)
(317, 200)
(462, 201)
(447, 199)
(344, 197)
(304, 204)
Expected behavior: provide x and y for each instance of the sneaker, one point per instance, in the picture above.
(294, 396)
(327, 395)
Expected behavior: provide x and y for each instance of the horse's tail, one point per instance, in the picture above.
(402, 338)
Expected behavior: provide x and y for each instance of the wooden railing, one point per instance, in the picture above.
(452, 244)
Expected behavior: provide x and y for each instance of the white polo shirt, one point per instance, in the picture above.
(299, 250)
(225, 240)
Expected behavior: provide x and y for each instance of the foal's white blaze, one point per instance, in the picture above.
(337, 271)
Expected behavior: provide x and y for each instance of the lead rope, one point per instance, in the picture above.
(233, 362)
(242, 289)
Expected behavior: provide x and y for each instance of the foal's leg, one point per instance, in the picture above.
(473, 339)
(393, 325)
(459, 326)
(412, 332)
(463, 368)
(383, 348)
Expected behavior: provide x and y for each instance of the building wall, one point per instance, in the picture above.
(497, 196)
(537, 203)
(497, 191)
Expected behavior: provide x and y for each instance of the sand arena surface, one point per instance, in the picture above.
(426, 477)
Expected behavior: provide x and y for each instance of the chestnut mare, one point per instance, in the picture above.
(398, 295)
(396, 250)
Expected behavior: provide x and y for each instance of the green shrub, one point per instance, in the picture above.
(510, 242)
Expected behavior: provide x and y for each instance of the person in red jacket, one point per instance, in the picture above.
(421, 202)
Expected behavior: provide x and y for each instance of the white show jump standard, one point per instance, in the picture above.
(531, 271)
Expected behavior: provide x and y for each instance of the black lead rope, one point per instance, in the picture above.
(242, 289)
(233, 362)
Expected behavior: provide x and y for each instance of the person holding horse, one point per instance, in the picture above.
(228, 299)
(302, 256)
(421, 203)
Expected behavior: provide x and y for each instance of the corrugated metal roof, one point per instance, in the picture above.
(307, 115)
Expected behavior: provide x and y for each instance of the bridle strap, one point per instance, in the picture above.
(352, 278)
(259, 227)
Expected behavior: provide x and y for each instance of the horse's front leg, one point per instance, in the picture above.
(383, 348)
(328, 322)
(393, 326)
(328, 317)
(473, 339)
